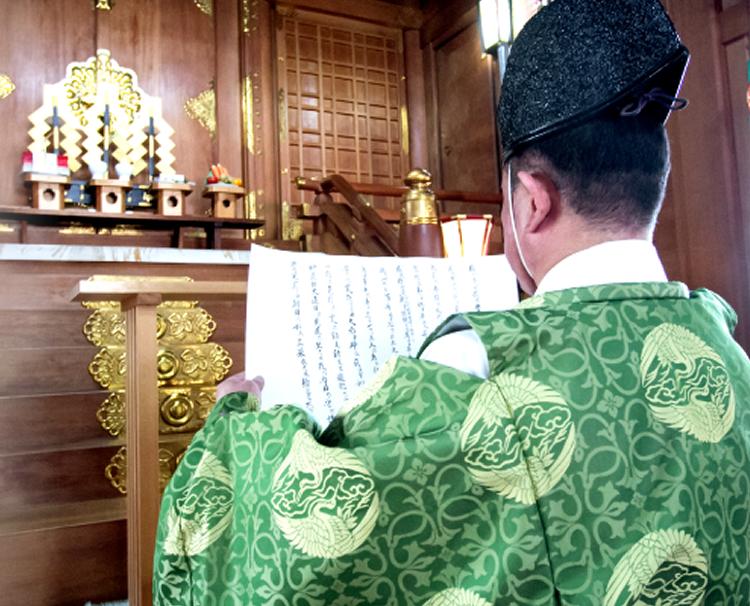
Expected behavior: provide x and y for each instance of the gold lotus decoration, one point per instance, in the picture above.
(188, 369)
(90, 90)
(6, 86)
(203, 109)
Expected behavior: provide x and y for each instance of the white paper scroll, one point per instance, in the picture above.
(320, 326)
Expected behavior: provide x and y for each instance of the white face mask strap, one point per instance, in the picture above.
(512, 212)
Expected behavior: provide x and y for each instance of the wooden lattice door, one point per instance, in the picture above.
(342, 104)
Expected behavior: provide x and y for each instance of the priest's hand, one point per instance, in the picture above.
(238, 382)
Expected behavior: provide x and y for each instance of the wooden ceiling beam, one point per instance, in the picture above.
(445, 21)
(375, 11)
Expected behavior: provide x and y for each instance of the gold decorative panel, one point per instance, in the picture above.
(117, 469)
(203, 109)
(246, 15)
(111, 414)
(6, 86)
(188, 369)
(205, 6)
(247, 113)
(92, 89)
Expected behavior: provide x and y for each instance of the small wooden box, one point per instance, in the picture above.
(110, 195)
(226, 200)
(47, 191)
(171, 198)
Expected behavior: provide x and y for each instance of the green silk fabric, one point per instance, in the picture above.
(604, 462)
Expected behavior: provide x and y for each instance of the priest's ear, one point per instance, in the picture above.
(543, 200)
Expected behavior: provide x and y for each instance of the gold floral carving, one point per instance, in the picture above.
(108, 368)
(205, 6)
(185, 325)
(103, 5)
(117, 469)
(105, 327)
(85, 79)
(184, 409)
(111, 414)
(6, 86)
(177, 409)
(167, 465)
(188, 369)
(199, 364)
(203, 109)
(78, 230)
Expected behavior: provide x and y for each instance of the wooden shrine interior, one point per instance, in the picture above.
(365, 89)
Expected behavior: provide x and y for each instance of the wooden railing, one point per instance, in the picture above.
(353, 226)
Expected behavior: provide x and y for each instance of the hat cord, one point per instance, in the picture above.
(657, 96)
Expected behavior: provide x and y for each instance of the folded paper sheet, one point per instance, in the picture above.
(320, 326)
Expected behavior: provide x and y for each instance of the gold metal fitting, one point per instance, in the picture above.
(419, 206)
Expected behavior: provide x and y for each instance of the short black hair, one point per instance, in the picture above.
(612, 170)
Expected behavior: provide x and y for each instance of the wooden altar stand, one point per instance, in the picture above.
(138, 300)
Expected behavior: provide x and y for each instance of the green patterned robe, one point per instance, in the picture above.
(605, 462)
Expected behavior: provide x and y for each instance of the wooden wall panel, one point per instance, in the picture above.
(467, 140)
(735, 59)
(461, 93)
(704, 190)
(63, 328)
(170, 44)
(53, 452)
(50, 422)
(46, 370)
(65, 476)
(64, 566)
(37, 41)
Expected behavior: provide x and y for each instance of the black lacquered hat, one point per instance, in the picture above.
(576, 59)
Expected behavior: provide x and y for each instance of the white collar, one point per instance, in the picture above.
(607, 263)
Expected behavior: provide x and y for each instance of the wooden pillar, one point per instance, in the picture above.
(228, 95)
(142, 427)
(260, 107)
(416, 102)
(706, 243)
